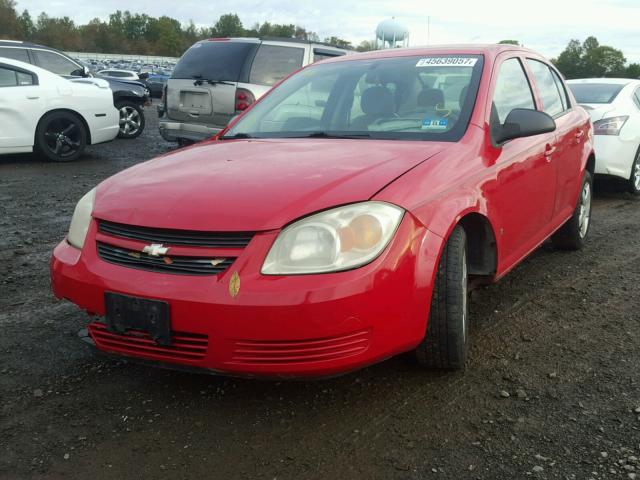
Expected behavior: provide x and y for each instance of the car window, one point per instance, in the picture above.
(382, 98)
(14, 78)
(214, 60)
(55, 62)
(322, 54)
(547, 88)
(15, 53)
(595, 92)
(8, 78)
(566, 104)
(636, 97)
(272, 63)
(512, 90)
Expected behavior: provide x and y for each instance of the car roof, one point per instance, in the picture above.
(274, 39)
(20, 43)
(490, 50)
(612, 81)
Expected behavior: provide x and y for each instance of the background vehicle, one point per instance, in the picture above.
(129, 97)
(218, 78)
(121, 74)
(341, 220)
(155, 82)
(614, 107)
(56, 117)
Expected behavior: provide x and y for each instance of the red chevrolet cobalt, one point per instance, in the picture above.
(340, 220)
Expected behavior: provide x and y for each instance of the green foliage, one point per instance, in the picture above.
(509, 42)
(9, 25)
(590, 59)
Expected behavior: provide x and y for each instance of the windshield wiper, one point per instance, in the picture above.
(199, 81)
(237, 135)
(331, 135)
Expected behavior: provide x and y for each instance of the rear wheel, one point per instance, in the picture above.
(572, 235)
(445, 344)
(634, 180)
(131, 119)
(61, 136)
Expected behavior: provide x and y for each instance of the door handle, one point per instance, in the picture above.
(548, 151)
(33, 97)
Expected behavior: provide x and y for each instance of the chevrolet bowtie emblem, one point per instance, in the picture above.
(155, 249)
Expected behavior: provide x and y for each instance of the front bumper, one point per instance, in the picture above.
(172, 130)
(276, 326)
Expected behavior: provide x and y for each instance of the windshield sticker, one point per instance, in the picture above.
(447, 62)
(439, 124)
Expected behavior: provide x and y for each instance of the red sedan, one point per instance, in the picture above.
(340, 220)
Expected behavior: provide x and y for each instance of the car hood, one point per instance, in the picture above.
(597, 111)
(254, 185)
(121, 84)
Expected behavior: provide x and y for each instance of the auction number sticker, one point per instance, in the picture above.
(447, 62)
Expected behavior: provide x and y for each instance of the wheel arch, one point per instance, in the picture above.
(68, 110)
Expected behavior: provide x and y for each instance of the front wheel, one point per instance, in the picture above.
(445, 344)
(634, 179)
(572, 235)
(131, 119)
(61, 136)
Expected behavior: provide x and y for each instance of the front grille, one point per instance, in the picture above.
(263, 352)
(167, 263)
(167, 236)
(184, 346)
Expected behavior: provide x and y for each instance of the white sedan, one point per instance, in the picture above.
(43, 112)
(121, 74)
(614, 106)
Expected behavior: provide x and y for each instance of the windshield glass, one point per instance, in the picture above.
(413, 98)
(595, 92)
(214, 60)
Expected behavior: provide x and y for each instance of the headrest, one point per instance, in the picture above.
(430, 97)
(463, 95)
(376, 101)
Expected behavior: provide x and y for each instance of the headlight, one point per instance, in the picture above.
(609, 126)
(81, 220)
(334, 240)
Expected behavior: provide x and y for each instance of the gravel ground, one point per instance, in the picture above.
(552, 390)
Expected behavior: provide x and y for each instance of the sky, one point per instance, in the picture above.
(543, 25)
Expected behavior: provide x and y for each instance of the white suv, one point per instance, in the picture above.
(219, 78)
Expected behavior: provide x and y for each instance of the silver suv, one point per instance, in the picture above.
(219, 78)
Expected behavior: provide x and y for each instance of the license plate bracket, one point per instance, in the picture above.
(124, 312)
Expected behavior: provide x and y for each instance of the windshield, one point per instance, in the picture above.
(595, 92)
(413, 98)
(214, 60)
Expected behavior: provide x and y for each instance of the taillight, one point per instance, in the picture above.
(244, 98)
(609, 126)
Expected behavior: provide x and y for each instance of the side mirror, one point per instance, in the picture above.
(524, 122)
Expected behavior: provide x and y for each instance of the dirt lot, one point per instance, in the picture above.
(552, 391)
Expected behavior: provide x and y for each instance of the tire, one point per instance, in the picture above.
(61, 136)
(633, 184)
(132, 120)
(572, 235)
(445, 344)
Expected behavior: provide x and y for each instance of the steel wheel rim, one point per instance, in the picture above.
(585, 210)
(62, 137)
(129, 120)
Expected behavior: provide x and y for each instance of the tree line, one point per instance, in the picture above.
(141, 34)
(134, 33)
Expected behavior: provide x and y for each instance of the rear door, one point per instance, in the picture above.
(21, 106)
(203, 85)
(571, 132)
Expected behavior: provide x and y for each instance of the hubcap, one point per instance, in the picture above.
(62, 137)
(129, 120)
(585, 210)
(636, 174)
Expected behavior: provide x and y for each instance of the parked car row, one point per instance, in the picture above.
(341, 219)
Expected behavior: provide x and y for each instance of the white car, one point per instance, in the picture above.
(44, 112)
(614, 106)
(121, 74)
